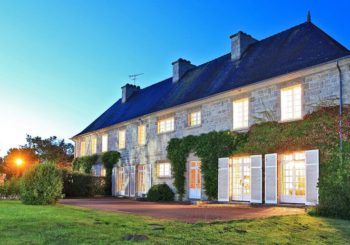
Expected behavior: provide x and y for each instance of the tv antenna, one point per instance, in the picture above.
(134, 77)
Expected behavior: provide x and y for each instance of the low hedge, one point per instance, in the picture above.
(10, 189)
(161, 192)
(76, 184)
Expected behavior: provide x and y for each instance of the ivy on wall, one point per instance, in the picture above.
(109, 159)
(318, 130)
(84, 164)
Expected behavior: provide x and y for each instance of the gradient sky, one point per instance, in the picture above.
(62, 63)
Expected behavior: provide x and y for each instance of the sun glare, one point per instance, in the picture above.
(19, 162)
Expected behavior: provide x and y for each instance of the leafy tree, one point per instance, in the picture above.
(51, 149)
(17, 161)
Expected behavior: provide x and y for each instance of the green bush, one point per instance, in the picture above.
(84, 164)
(10, 189)
(41, 185)
(161, 192)
(109, 159)
(77, 184)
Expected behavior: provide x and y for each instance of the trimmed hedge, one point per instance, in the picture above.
(161, 192)
(77, 184)
(41, 185)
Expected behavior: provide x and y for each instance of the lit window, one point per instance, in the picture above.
(141, 134)
(120, 179)
(93, 145)
(240, 113)
(141, 180)
(291, 103)
(103, 172)
(166, 125)
(194, 118)
(82, 148)
(104, 142)
(164, 170)
(121, 139)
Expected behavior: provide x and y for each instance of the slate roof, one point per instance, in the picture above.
(299, 47)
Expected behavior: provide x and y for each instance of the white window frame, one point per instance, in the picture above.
(141, 134)
(121, 138)
(164, 170)
(105, 143)
(93, 145)
(82, 148)
(166, 125)
(291, 103)
(194, 118)
(240, 114)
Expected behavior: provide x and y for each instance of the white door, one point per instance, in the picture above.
(240, 178)
(195, 183)
(293, 178)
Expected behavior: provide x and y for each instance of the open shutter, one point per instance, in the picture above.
(271, 178)
(132, 181)
(223, 180)
(312, 173)
(148, 176)
(126, 185)
(114, 181)
(256, 179)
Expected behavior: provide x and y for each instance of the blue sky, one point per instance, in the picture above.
(62, 63)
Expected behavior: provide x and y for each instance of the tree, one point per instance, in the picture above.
(51, 149)
(17, 161)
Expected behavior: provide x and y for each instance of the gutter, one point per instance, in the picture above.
(340, 108)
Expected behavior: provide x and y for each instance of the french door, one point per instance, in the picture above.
(195, 183)
(240, 172)
(293, 178)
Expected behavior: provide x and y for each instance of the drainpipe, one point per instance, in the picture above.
(340, 108)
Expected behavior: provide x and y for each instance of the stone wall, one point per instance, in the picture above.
(318, 90)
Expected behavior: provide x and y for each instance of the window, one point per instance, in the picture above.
(166, 125)
(164, 170)
(141, 181)
(291, 103)
(121, 139)
(82, 148)
(103, 171)
(240, 113)
(104, 142)
(93, 145)
(141, 134)
(120, 179)
(194, 118)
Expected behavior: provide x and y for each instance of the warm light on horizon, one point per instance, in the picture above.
(19, 162)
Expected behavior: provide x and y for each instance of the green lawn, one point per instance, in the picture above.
(68, 225)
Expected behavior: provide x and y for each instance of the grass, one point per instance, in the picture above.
(21, 224)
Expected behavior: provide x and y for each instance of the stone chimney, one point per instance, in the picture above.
(180, 67)
(239, 44)
(128, 90)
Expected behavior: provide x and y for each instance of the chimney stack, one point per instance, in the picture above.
(128, 90)
(180, 67)
(239, 44)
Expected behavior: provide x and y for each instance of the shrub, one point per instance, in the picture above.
(41, 185)
(77, 184)
(84, 164)
(10, 189)
(161, 192)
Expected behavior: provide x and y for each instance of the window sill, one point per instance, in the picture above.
(240, 129)
(167, 132)
(194, 126)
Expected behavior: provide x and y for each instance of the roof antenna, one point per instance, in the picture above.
(134, 77)
(308, 19)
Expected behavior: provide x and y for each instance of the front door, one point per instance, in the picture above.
(293, 178)
(240, 178)
(195, 180)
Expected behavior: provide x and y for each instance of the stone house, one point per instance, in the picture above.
(280, 78)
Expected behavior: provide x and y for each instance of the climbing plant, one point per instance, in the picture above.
(318, 130)
(109, 159)
(84, 164)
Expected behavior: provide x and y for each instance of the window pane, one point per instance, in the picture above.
(291, 103)
(121, 139)
(241, 113)
(166, 125)
(105, 143)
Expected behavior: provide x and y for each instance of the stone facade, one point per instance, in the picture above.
(318, 89)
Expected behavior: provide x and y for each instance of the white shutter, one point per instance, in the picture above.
(271, 178)
(126, 185)
(132, 181)
(312, 174)
(223, 180)
(148, 176)
(114, 181)
(256, 179)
